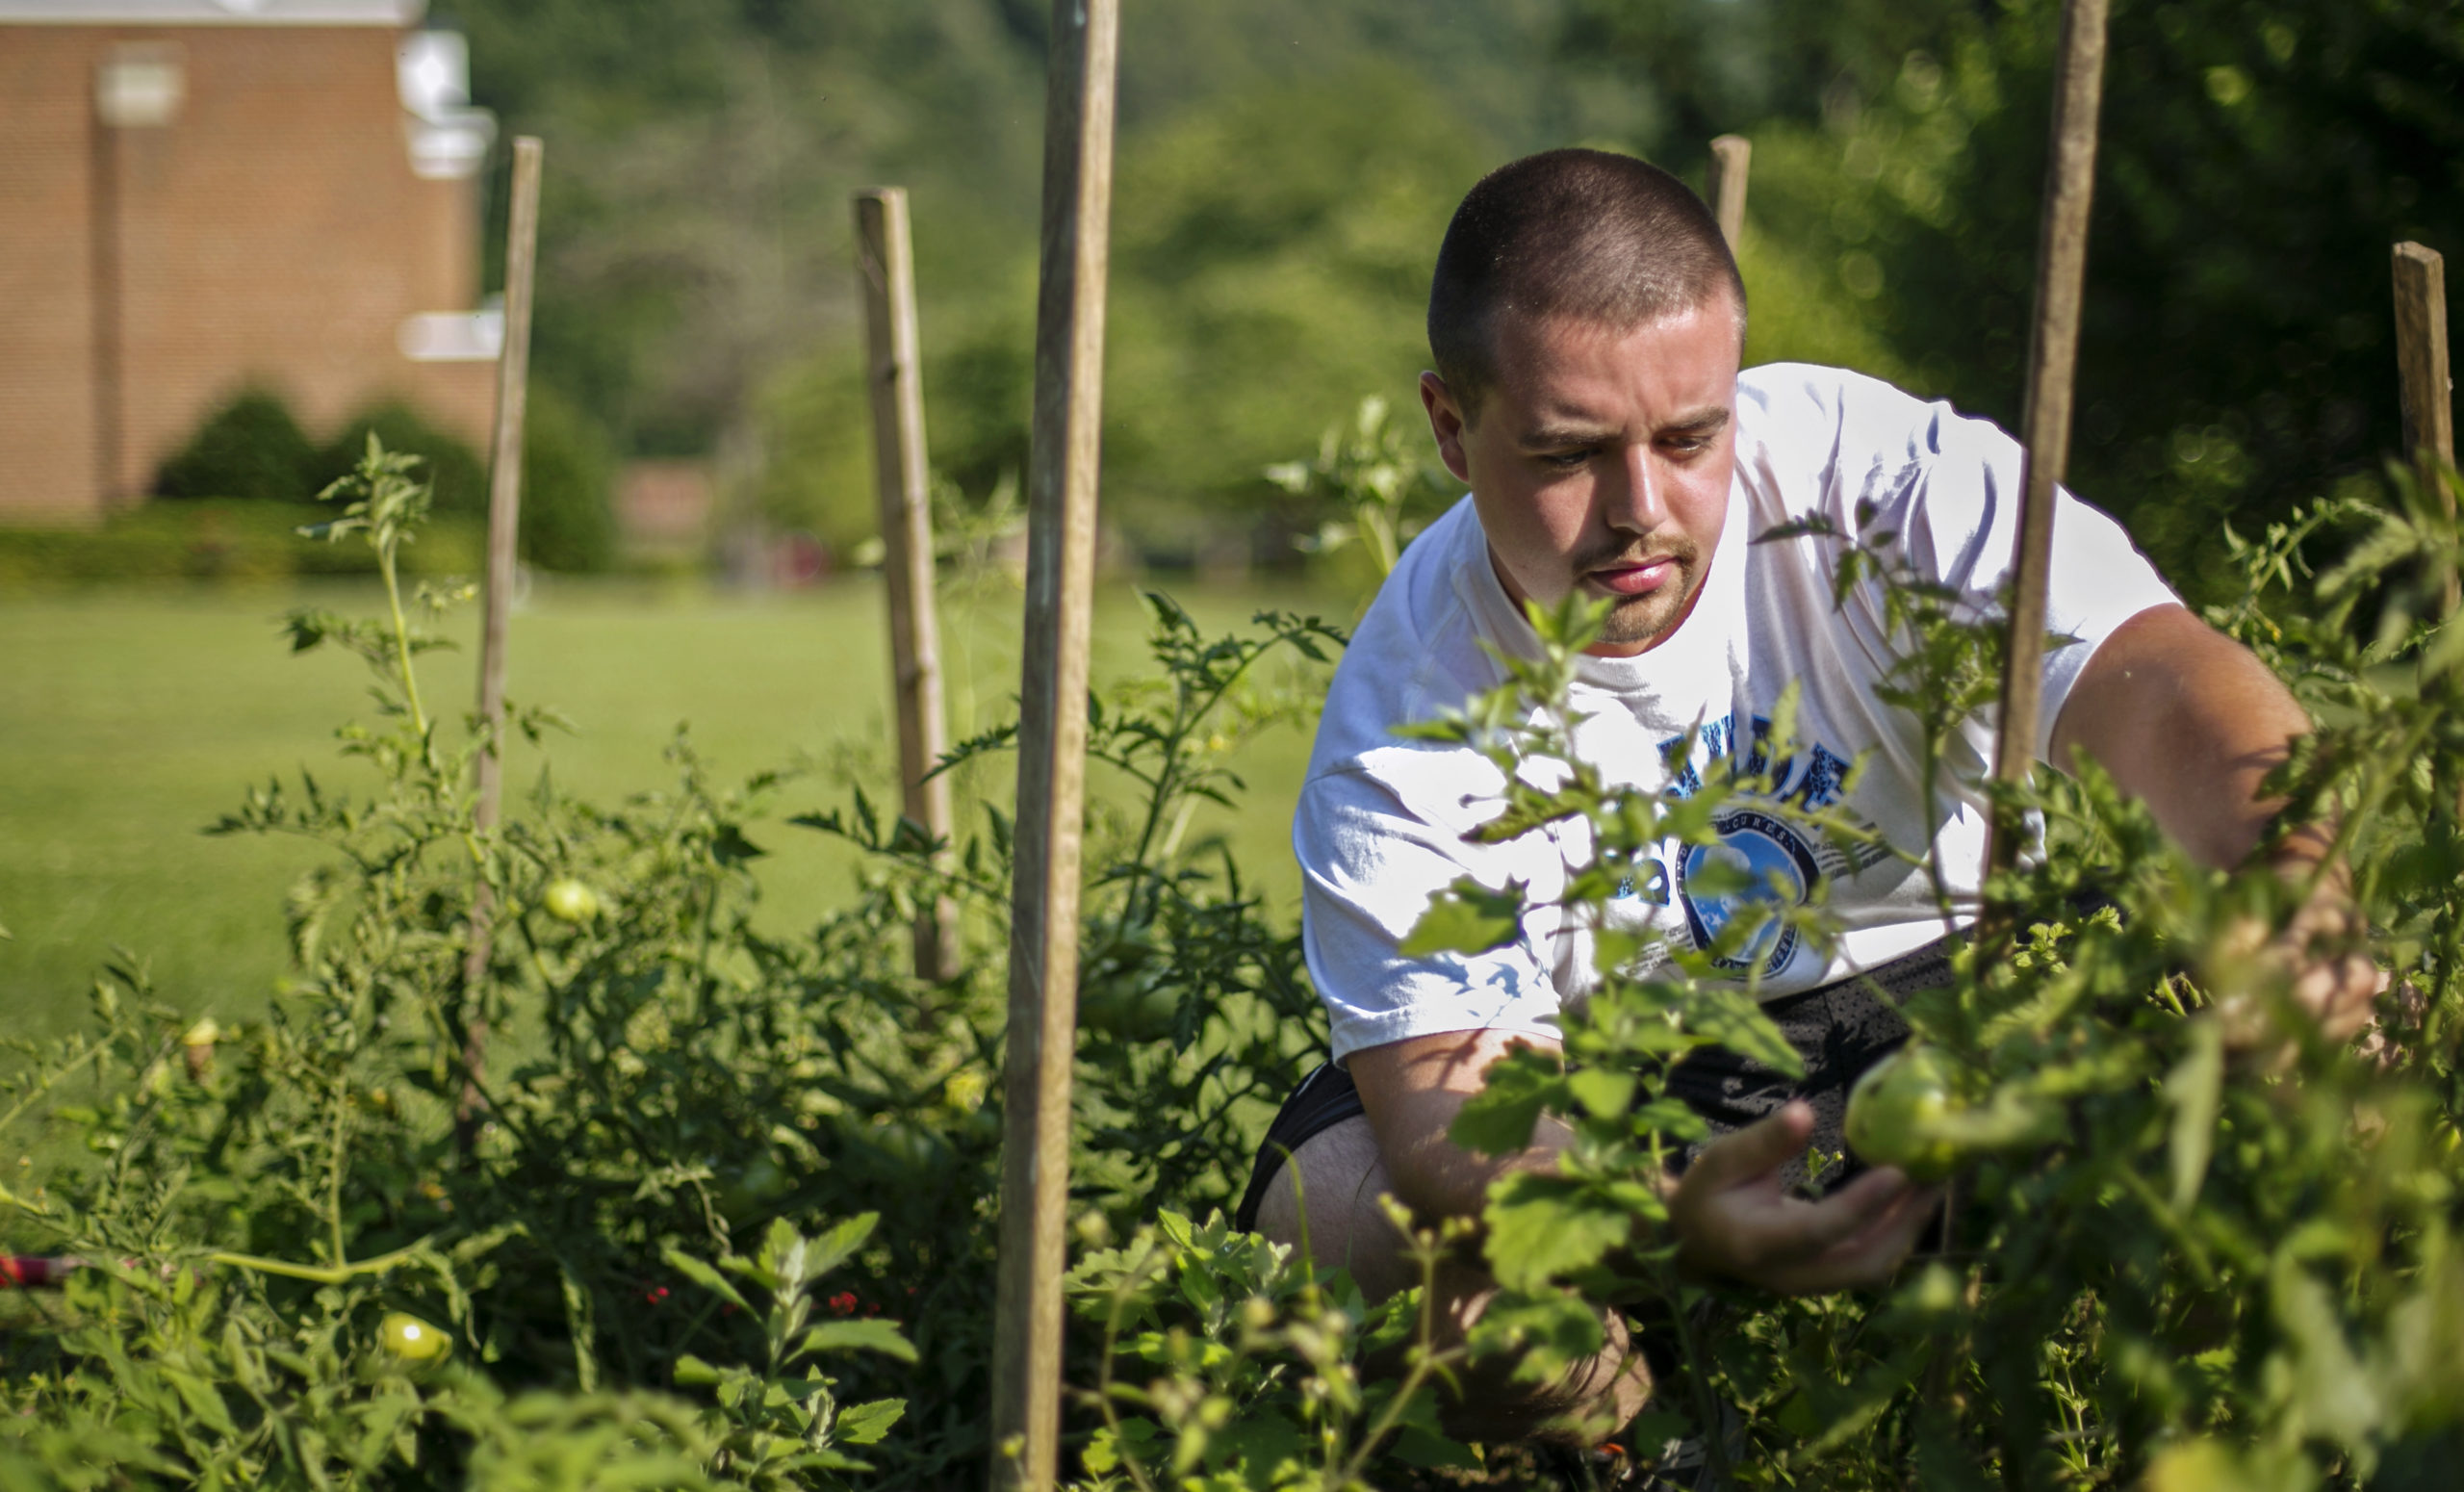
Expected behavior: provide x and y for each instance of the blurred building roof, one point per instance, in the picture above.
(212, 12)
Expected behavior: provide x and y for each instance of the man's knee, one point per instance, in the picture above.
(1326, 1195)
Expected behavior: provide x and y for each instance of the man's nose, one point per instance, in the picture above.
(1640, 506)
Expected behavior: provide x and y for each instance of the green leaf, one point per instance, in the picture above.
(1267, 1440)
(866, 1423)
(1734, 1021)
(1498, 1119)
(2192, 1090)
(1602, 1092)
(1467, 917)
(1542, 1228)
(704, 1275)
(1548, 1333)
(1430, 1450)
(878, 1336)
(1657, 1435)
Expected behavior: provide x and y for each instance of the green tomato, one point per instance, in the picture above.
(1896, 1110)
(412, 1340)
(569, 900)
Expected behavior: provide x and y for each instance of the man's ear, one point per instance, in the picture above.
(1447, 423)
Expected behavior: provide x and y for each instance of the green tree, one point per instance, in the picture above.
(2254, 167)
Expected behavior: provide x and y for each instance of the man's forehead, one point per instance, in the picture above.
(1560, 373)
(1512, 328)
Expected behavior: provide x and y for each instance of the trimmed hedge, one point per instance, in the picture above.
(222, 540)
(252, 449)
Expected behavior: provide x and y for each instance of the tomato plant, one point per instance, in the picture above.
(530, 1146)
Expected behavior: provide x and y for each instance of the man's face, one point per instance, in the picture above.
(1600, 462)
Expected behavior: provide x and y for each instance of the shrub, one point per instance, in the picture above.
(251, 448)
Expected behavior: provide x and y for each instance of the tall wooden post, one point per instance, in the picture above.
(504, 464)
(2053, 360)
(1052, 741)
(504, 526)
(2421, 354)
(1724, 185)
(2422, 366)
(886, 264)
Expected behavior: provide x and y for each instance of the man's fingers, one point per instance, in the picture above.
(1789, 1230)
(1870, 1255)
(1754, 1151)
(2342, 995)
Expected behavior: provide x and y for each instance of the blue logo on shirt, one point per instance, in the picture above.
(1771, 856)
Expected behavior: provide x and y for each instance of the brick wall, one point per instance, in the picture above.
(49, 445)
(273, 234)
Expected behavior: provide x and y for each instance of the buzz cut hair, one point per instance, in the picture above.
(1577, 234)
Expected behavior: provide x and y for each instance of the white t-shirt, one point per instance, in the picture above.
(1382, 820)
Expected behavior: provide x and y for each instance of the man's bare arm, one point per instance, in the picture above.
(2189, 721)
(1412, 1091)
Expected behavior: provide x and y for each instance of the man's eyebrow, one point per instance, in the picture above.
(1553, 437)
(1701, 422)
(1557, 437)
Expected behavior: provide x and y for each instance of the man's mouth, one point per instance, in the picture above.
(1635, 577)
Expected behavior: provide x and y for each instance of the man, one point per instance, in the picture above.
(1588, 322)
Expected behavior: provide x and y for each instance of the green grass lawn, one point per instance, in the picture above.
(131, 718)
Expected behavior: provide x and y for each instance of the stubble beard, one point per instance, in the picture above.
(1647, 618)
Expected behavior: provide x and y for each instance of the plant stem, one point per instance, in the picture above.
(334, 1173)
(401, 635)
(1715, 1449)
(333, 1274)
(93, 1049)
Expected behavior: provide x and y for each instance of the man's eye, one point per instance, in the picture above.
(1565, 461)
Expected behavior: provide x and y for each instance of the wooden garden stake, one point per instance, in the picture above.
(2422, 366)
(2053, 360)
(1724, 185)
(504, 464)
(886, 264)
(504, 523)
(1052, 742)
(2421, 354)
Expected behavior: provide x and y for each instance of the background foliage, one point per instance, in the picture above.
(1286, 169)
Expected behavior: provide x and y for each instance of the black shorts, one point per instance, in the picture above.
(1839, 1029)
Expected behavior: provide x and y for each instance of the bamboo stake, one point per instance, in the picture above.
(504, 523)
(1052, 741)
(1724, 181)
(885, 262)
(2053, 360)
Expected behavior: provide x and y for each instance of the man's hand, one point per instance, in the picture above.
(2320, 958)
(1733, 1218)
